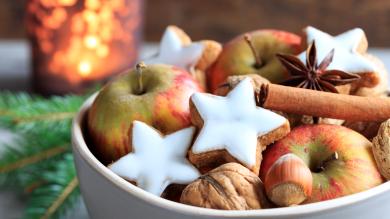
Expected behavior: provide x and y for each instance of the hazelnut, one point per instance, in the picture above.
(228, 187)
(288, 181)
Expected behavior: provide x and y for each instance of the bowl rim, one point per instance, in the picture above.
(80, 147)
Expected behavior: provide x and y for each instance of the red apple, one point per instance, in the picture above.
(162, 102)
(237, 57)
(340, 159)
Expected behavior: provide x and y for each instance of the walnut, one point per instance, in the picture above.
(228, 187)
(173, 192)
(381, 149)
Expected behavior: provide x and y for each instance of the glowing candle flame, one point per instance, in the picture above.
(77, 38)
(67, 2)
(84, 68)
(91, 42)
(102, 51)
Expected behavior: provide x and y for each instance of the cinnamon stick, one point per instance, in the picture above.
(323, 104)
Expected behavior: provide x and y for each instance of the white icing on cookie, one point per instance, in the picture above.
(346, 57)
(157, 161)
(173, 52)
(233, 122)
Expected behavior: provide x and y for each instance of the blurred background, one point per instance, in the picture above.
(61, 46)
(223, 19)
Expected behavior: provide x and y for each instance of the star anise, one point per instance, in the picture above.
(313, 76)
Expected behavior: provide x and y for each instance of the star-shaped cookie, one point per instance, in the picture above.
(233, 128)
(349, 48)
(156, 160)
(176, 51)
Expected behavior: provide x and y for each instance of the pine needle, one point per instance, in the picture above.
(61, 199)
(39, 162)
(54, 114)
(21, 162)
(59, 194)
(9, 101)
(40, 156)
(44, 117)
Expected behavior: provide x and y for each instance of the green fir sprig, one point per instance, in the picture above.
(58, 194)
(35, 114)
(39, 162)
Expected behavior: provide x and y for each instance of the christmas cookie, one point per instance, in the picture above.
(381, 88)
(233, 128)
(176, 48)
(156, 160)
(370, 129)
(349, 49)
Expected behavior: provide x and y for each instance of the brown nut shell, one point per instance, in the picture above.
(228, 187)
(289, 181)
(381, 149)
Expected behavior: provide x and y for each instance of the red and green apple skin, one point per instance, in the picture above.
(354, 170)
(164, 104)
(237, 58)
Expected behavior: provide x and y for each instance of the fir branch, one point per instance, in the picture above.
(54, 114)
(59, 194)
(39, 161)
(34, 158)
(9, 100)
(44, 117)
(21, 161)
(61, 198)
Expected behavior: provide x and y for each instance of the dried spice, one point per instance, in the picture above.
(312, 75)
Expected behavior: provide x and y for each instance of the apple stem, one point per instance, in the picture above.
(258, 62)
(334, 156)
(139, 68)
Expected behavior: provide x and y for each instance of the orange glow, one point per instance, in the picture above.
(91, 42)
(102, 51)
(67, 2)
(90, 16)
(84, 68)
(79, 37)
(92, 4)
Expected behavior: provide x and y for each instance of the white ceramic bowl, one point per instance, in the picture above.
(107, 195)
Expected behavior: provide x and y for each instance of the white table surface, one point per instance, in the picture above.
(14, 75)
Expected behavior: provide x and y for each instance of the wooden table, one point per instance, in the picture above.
(14, 75)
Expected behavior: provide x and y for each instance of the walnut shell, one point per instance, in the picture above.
(228, 187)
(381, 149)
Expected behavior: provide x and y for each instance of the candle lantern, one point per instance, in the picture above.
(76, 43)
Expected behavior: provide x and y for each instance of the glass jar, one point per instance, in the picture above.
(76, 43)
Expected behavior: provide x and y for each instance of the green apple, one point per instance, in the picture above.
(157, 95)
(237, 57)
(340, 159)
